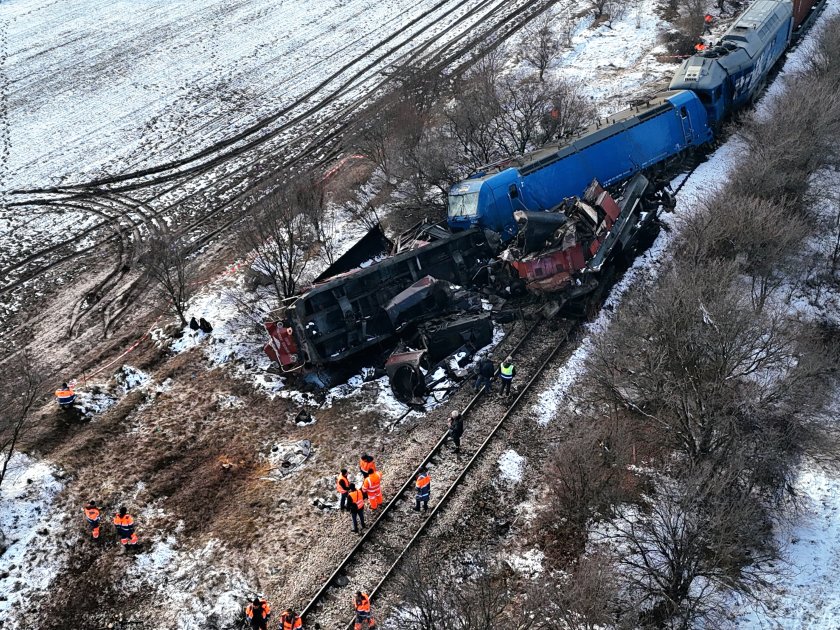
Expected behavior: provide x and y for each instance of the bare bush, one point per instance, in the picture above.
(540, 45)
(23, 382)
(696, 361)
(701, 537)
(166, 263)
(763, 237)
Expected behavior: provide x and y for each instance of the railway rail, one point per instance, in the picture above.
(397, 528)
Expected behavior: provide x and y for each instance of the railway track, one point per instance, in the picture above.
(397, 528)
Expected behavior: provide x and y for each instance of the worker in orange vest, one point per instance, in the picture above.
(707, 24)
(125, 527)
(93, 518)
(367, 465)
(372, 488)
(342, 483)
(700, 47)
(361, 602)
(290, 621)
(424, 490)
(357, 506)
(65, 397)
(258, 612)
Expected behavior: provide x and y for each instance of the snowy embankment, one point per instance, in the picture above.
(804, 595)
(32, 533)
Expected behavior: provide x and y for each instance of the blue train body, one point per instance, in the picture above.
(728, 75)
(706, 89)
(631, 141)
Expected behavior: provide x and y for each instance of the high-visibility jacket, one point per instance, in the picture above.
(263, 611)
(424, 486)
(372, 484)
(507, 372)
(92, 514)
(341, 484)
(700, 47)
(362, 603)
(124, 524)
(357, 497)
(65, 396)
(708, 19)
(291, 622)
(367, 467)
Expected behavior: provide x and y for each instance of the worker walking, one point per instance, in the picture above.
(424, 490)
(361, 603)
(125, 527)
(366, 465)
(290, 620)
(65, 397)
(486, 372)
(372, 488)
(456, 430)
(507, 370)
(93, 518)
(357, 506)
(258, 612)
(342, 483)
(707, 24)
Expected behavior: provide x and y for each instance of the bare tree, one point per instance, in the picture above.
(470, 120)
(540, 45)
(23, 382)
(281, 235)
(310, 198)
(165, 262)
(700, 537)
(568, 111)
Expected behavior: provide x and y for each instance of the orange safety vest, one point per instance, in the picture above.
(362, 603)
(292, 624)
(338, 484)
(367, 467)
(265, 609)
(123, 521)
(358, 497)
(700, 47)
(423, 481)
(373, 484)
(708, 19)
(92, 514)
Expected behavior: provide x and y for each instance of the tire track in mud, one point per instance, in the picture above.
(317, 148)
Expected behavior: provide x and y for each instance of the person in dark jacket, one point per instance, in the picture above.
(205, 326)
(486, 371)
(193, 324)
(456, 430)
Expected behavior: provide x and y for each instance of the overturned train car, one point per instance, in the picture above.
(365, 308)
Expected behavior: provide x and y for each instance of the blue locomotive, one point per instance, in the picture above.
(707, 88)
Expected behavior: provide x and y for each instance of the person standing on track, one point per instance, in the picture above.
(342, 484)
(707, 24)
(456, 430)
(424, 490)
(357, 506)
(372, 488)
(258, 612)
(361, 604)
(366, 465)
(486, 372)
(93, 518)
(507, 370)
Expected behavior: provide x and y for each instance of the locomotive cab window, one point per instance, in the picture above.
(463, 205)
(683, 112)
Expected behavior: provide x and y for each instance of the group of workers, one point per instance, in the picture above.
(123, 524)
(708, 19)
(486, 372)
(258, 612)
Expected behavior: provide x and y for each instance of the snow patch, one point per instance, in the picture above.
(511, 467)
(528, 563)
(31, 560)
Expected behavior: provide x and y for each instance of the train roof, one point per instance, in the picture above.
(746, 38)
(598, 131)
